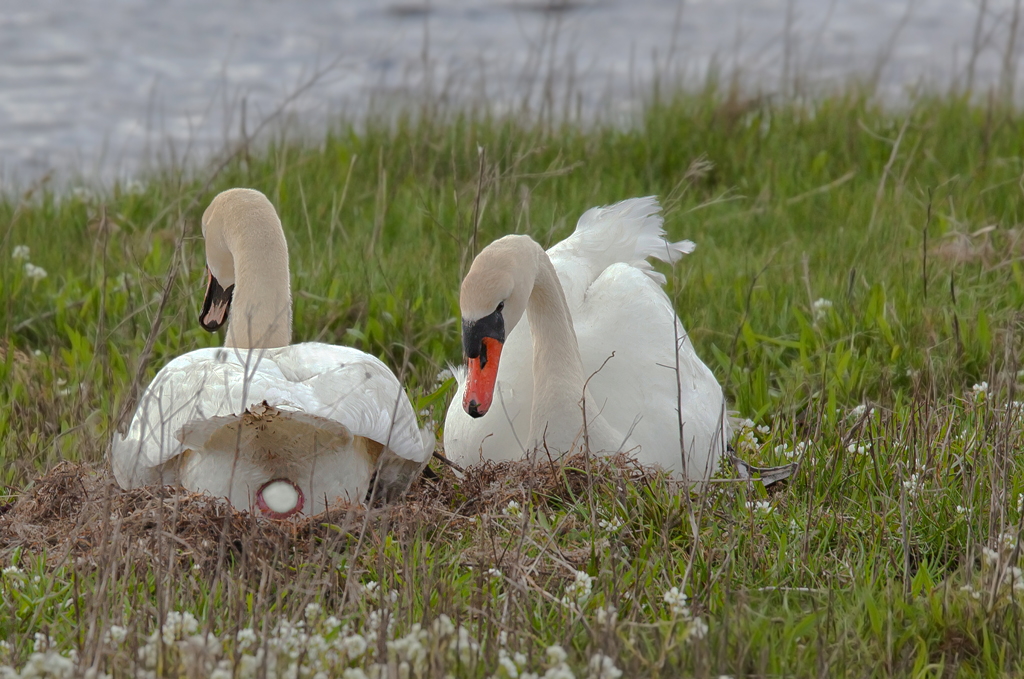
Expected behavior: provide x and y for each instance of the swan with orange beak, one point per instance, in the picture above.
(510, 277)
(482, 341)
(579, 347)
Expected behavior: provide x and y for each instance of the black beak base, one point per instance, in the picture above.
(474, 332)
(215, 306)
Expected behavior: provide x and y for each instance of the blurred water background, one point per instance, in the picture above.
(97, 90)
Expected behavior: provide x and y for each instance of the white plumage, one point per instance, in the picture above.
(617, 305)
(307, 423)
(314, 412)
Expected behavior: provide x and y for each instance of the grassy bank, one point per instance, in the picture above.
(847, 256)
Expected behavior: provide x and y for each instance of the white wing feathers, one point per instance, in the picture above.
(340, 384)
(627, 232)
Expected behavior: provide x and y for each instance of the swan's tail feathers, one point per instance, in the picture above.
(252, 431)
(629, 231)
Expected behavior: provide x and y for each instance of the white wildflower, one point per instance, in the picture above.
(562, 671)
(115, 635)
(512, 509)
(13, 570)
(963, 511)
(606, 615)
(970, 590)
(465, 646)
(506, 666)
(610, 526)
(443, 376)
(178, 625)
(762, 506)
(746, 442)
(442, 627)
(51, 664)
(698, 629)
(493, 573)
(821, 308)
(1014, 577)
(370, 587)
(20, 253)
(246, 638)
(676, 600)
(857, 411)
(859, 449)
(913, 485)
(410, 649)
(764, 429)
(33, 272)
(603, 667)
(980, 392)
(990, 556)
(579, 589)
(1020, 502)
(312, 609)
(556, 655)
(353, 645)
(41, 643)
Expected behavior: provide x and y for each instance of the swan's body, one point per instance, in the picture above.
(635, 398)
(308, 423)
(328, 411)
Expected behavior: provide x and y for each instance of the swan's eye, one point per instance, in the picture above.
(501, 305)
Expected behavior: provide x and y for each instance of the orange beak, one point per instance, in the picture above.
(483, 375)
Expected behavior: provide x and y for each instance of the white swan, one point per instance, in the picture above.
(285, 428)
(589, 296)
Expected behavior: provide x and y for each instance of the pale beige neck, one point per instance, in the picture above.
(557, 417)
(261, 308)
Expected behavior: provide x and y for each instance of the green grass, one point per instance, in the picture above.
(860, 566)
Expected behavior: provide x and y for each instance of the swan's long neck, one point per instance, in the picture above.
(557, 419)
(261, 308)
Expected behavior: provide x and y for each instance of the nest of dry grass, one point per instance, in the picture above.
(489, 487)
(76, 512)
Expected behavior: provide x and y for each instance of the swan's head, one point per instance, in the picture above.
(233, 216)
(493, 299)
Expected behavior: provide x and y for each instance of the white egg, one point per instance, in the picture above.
(280, 496)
